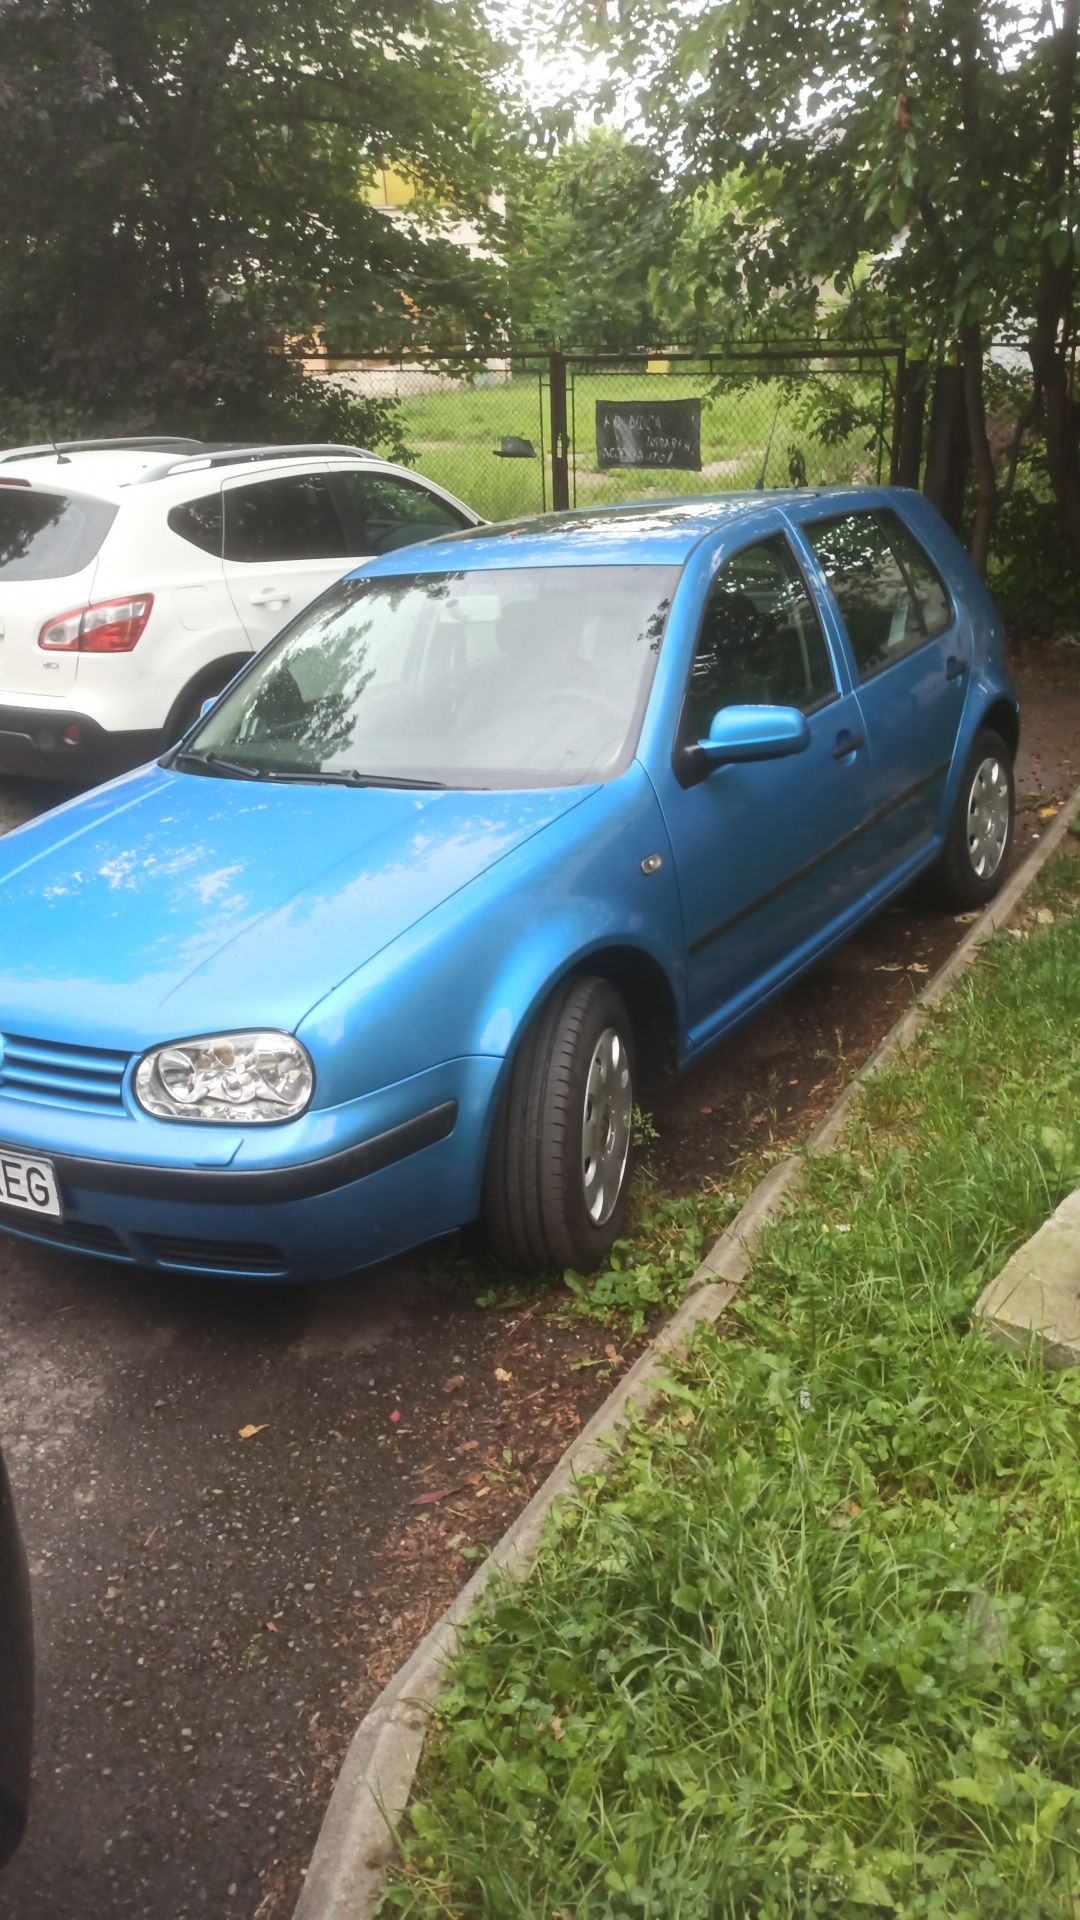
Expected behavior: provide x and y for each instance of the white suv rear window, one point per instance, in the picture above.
(45, 536)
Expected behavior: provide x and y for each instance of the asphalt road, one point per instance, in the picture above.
(213, 1613)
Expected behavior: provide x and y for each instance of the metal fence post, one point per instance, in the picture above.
(560, 442)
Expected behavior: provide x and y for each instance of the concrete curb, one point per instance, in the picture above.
(357, 1839)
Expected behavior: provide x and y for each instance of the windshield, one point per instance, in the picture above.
(525, 676)
(44, 536)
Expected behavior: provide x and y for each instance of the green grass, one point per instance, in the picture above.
(451, 436)
(814, 1647)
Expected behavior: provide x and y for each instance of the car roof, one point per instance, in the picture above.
(110, 470)
(642, 532)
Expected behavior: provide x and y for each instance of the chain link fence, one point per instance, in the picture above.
(527, 430)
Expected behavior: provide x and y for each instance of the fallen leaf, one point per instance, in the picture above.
(614, 1355)
(481, 1493)
(916, 966)
(432, 1499)
(456, 1381)
(556, 1727)
(270, 1627)
(467, 1446)
(1047, 813)
(1044, 917)
(248, 1433)
(395, 1417)
(501, 1374)
(151, 1536)
(890, 968)
(965, 919)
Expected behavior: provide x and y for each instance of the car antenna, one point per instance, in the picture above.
(62, 459)
(759, 484)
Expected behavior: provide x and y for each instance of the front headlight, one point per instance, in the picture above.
(237, 1078)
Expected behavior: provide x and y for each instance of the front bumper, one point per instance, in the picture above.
(396, 1182)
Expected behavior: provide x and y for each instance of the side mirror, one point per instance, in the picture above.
(753, 733)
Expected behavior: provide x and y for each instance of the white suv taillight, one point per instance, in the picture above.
(110, 626)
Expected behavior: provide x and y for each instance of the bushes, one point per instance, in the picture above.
(285, 404)
(1032, 572)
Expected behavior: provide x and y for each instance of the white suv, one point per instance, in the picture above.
(137, 576)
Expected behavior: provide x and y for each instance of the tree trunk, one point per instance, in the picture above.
(982, 458)
(1051, 339)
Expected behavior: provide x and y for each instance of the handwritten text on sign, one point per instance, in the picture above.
(648, 433)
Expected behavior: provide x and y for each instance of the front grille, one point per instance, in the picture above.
(81, 1237)
(54, 1075)
(217, 1256)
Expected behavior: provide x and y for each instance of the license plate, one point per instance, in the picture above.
(29, 1184)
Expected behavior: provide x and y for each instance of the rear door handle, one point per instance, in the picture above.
(848, 744)
(955, 668)
(270, 597)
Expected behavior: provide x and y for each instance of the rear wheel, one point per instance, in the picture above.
(976, 851)
(557, 1182)
(190, 704)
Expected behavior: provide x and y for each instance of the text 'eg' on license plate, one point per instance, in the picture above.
(29, 1184)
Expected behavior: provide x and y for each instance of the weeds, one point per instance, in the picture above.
(812, 1648)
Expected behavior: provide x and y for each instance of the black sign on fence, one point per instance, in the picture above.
(648, 433)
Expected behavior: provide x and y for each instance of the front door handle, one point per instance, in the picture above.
(270, 597)
(848, 744)
(955, 668)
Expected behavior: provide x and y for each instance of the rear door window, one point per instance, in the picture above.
(46, 536)
(388, 512)
(890, 597)
(291, 518)
(200, 523)
(931, 593)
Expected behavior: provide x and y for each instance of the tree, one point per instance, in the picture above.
(586, 228)
(184, 192)
(936, 135)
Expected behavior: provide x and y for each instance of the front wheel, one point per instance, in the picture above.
(972, 864)
(557, 1182)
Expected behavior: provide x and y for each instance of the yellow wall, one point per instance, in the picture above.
(390, 189)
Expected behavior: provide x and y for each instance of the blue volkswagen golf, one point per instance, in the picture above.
(489, 831)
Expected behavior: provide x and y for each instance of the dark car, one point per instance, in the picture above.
(16, 1676)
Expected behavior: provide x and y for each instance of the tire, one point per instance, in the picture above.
(570, 1086)
(973, 861)
(190, 704)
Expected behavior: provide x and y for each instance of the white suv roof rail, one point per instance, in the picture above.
(165, 443)
(237, 456)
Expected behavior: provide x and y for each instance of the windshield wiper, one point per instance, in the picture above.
(213, 762)
(348, 777)
(301, 776)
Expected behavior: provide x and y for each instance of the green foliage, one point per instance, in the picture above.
(812, 1647)
(935, 140)
(1035, 577)
(185, 193)
(648, 1272)
(586, 228)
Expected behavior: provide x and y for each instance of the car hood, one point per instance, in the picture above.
(169, 904)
